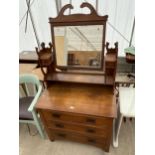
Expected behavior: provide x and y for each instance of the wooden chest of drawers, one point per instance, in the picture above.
(82, 113)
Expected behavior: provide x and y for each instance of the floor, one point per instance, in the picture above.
(34, 145)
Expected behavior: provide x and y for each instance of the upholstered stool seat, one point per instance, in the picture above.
(25, 102)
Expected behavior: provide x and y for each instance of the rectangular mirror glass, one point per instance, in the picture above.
(79, 46)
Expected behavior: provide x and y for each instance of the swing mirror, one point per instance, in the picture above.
(78, 39)
(79, 46)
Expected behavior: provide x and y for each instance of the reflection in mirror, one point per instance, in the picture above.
(78, 46)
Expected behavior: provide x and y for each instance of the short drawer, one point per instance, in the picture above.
(100, 142)
(76, 118)
(90, 130)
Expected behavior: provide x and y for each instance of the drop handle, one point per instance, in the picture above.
(90, 130)
(92, 141)
(90, 120)
(59, 125)
(56, 115)
(61, 135)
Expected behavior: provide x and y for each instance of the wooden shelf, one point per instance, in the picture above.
(92, 72)
(80, 78)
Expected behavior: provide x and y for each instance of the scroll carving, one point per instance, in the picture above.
(93, 16)
(112, 50)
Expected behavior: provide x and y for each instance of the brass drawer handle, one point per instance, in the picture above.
(91, 130)
(93, 141)
(56, 115)
(90, 120)
(61, 135)
(59, 125)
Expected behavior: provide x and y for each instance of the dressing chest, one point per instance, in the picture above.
(79, 102)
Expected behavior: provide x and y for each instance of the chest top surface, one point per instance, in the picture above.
(94, 100)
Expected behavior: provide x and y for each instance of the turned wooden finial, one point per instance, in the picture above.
(44, 49)
(112, 50)
(43, 45)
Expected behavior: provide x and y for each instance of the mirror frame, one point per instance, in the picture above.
(78, 20)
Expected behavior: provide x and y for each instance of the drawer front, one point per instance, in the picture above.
(76, 118)
(89, 130)
(100, 142)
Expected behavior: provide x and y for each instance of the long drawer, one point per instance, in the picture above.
(90, 130)
(77, 118)
(100, 142)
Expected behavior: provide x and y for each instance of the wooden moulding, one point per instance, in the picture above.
(80, 78)
(93, 16)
